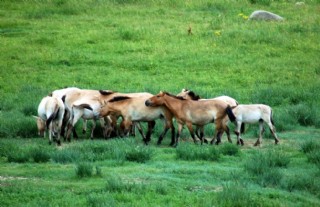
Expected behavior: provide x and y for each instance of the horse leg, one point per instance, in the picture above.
(84, 126)
(151, 125)
(93, 127)
(180, 126)
(50, 132)
(238, 133)
(189, 125)
(273, 131)
(227, 130)
(72, 122)
(138, 124)
(261, 130)
(202, 135)
(166, 128)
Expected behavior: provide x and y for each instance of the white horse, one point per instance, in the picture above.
(254, 113)
(50, 116)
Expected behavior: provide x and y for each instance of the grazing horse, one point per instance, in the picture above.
(133, 109)
(50, 116)
(92, 100)
(253, 113)
(197, 113)
(61, 93)
(188, 94)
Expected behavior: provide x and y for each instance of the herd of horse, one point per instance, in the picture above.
(59, 112)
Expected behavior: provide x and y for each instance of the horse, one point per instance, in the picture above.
(94, 99)
(254, 113)
(60, 93)
(188, 94)
(199, 113)
(50, 116)
(133, 109)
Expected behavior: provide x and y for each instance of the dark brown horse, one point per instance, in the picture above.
(199, 113)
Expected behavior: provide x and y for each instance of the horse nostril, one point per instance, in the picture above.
(147, 103)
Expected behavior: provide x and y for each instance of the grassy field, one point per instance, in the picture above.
(140, 45)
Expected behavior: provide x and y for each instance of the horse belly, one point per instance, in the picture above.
(200, 119)
(252, 117)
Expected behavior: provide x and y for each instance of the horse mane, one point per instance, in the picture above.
(193, 96)
(174, 96)
(119, 98)
(105, 93)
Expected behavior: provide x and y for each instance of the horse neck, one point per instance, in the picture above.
(173, 104)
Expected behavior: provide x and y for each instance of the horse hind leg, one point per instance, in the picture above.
(261, 131)
(151, 125)
(273, 131)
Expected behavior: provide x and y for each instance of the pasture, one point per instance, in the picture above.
(209, 47)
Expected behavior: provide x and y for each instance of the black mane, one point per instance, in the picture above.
(174, 96)
(105, 93)
(193, 96)
(119, 98)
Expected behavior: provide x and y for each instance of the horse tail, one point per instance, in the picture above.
(52, 116)
(230, 114)
(271, 118)
(63, 98)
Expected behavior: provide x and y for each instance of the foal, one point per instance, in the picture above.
(197, 113)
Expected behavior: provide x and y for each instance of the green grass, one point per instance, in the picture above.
(139, 45)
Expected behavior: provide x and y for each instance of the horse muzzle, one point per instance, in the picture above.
(147, 103)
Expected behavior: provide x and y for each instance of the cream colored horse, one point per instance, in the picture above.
(254, 113)
(50, 116)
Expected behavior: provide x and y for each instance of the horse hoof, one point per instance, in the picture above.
(58, 142)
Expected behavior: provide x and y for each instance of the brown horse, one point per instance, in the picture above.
(188, 94)
(92, 100)
(133, 109)
(199, 113)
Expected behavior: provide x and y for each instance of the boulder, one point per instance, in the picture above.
(265, 15)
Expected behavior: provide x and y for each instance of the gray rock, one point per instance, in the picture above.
(265, 15)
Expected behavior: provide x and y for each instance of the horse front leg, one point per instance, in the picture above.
(138, 124)
(166, 128)
(93, 127)
(180, 127)
(189, 125)
(151, 125)
(238, 133)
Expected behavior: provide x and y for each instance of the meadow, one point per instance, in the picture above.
(140, 45)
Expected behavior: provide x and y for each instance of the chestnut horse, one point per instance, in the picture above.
(188, 94)
(133, 109)
(199, 113)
